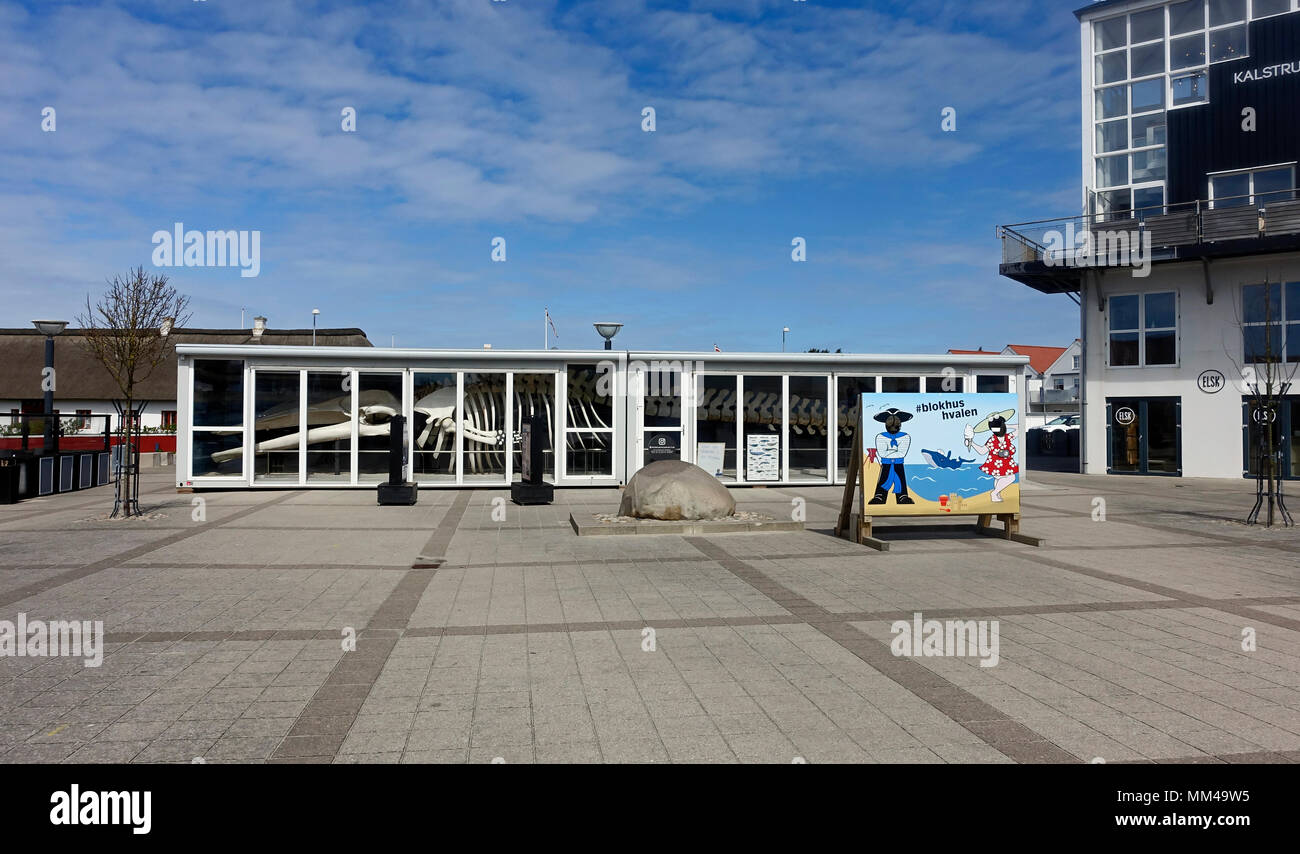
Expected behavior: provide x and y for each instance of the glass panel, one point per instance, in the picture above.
(483, 447)
(1259, 306)
(1109, 34)
(762, 415)
(1227, 43)
(1112, 136)
(1112, 171)
(1256, 439)
(591, 402)
(1161, 348)
(990, 383)
(662, 445)
(1264, 8)
(379, 399)
(1149, 165)
(589, 453)
(1123, 348)
(1112, 67)
(217, 454)
(1293, 300)
(900, 385)
(1190, 89)
(1187, 51)
(1294, 441)
(218, 393)
(1231, 191)
(1124, 436)
(1149, 130)
(848, 391)
(329, 426)
(275, 426)
(1227, 12)
(1149, 59)
(1293, 342)
(1148, 95)
(715, 418)
(1149, 201)
(433, 427)
(1113, 203)
(535, 395)
(809, 438)
(1112, 102)
(1272, 185)
(1162, 436)
(1262, 343)
(663, 398)
(1160, 311)
(1124, 312)
(1145, 26)
(1187, 16)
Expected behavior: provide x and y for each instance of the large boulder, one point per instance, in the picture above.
(673, 490)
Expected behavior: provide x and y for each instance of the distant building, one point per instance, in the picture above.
(84, 387)
(1051, 378)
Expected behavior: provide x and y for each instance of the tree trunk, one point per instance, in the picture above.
(127, 457)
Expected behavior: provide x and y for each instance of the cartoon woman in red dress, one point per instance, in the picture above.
(1001, 462)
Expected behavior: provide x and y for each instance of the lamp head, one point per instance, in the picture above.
(607, 330)
(50, 327)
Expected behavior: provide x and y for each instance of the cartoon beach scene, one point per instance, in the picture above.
(940, 454)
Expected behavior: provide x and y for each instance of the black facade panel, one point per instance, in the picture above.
(1209, 137)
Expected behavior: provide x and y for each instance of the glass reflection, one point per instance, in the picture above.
(379, 399)
(484, 426)
(329, 425)
(535, 395)
(715, 421)
(275, 426)
(848, 392)
(809, 438)
(433, 427)
(762, 429)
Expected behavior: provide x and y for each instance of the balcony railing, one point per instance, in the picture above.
(1056, 242)
(1056, 395)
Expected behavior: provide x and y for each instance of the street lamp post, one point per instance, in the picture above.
(314, 313)
(784, 330)
(608, 330)
(49, 328)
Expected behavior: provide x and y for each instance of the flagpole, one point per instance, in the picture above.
(546, 332)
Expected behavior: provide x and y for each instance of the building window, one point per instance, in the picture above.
(1075, 362)
(169, 419)
(900, 385)
(1265, 8)
(1271, 322)
(992, 383)
(1253, 187)
(1143, 329)
(217, 438)
(83, 419)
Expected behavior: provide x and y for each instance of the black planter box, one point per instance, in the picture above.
(398, 494)
(532, 493)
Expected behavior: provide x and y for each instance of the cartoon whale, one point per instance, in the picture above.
(938, 459)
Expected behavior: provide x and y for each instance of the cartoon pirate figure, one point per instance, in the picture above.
(891, 448)
(1001, 462)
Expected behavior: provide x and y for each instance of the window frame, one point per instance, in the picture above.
(1142, 330)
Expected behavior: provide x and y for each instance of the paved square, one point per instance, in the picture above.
(226, 621)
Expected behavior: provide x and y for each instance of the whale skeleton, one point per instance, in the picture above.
(485, 432)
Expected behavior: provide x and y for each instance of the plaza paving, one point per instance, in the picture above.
(1120, 639)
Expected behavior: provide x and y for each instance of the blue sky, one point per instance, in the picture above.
(522, 119)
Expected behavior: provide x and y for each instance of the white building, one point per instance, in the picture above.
(1188, 247)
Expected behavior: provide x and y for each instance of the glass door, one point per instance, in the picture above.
(276, 426)
(661, 415)
(1144, 435)
(379, 400)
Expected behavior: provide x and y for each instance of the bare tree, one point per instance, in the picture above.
(126, 331)
(1266, 375)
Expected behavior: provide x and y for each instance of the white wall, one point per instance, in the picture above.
(1208, 338)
